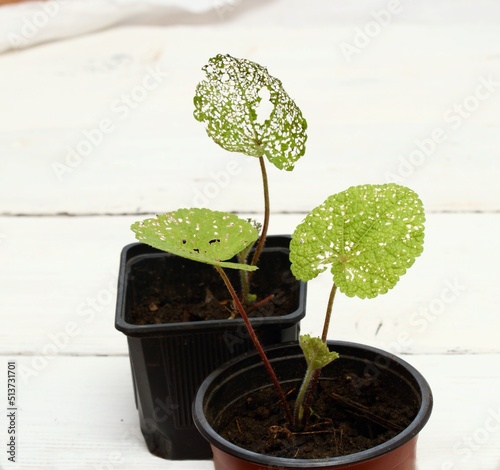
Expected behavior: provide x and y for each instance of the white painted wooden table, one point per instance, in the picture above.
(97, 131)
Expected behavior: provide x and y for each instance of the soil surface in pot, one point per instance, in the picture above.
(351, 413)
(172, 289)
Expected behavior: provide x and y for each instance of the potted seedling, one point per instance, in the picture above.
(328, 404)
(178, 317)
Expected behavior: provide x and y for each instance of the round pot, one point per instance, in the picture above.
(246, 374)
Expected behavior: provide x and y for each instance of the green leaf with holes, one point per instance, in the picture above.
(231, 102)
(369, 235)
(203, 235)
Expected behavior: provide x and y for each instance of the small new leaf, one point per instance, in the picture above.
(203, 235)
(316, 352)
(370, 235)
(229, 101)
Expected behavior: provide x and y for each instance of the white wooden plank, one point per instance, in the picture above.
(463, 432)
(367, 118)
(59, 273)
(79, 413)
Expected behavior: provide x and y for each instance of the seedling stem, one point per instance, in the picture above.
(256, 342)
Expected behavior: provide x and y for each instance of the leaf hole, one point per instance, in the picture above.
(264, 107)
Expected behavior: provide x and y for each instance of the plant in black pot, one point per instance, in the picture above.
(176, 312)
(327, 404)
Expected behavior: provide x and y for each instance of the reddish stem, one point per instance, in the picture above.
(258, 346)
(260, 303)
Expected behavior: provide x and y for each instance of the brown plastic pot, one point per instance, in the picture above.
(246, 374)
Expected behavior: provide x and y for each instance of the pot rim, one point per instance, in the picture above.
(397, 441)
(135, 250)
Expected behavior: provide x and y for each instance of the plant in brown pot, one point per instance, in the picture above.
(318, 403)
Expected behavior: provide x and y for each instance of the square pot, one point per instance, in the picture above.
(170, 360)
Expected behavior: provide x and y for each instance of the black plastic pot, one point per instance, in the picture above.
(245, 375)
(170, 360)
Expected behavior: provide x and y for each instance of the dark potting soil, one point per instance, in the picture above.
(167, 289)
(350, 414)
